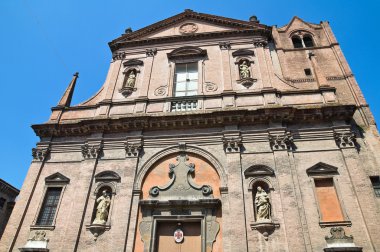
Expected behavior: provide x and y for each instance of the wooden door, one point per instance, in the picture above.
(191, 242)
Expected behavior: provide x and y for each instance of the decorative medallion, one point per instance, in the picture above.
(178, 235)
(188, 28)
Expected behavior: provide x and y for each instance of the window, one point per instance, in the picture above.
(375, 180)
(49, 206)
(329, 205)
(297, 42)
(2, 202)
(307, 71)
(308, 41)
(186, 79)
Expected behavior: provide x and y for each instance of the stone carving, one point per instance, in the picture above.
(281, 142)
(339, 239)
(263, 207)
(104, 202)
(39, 236)
(91, 151)
(37, 241)
(132, 150)
(345, 139)
(244, 70)
(188, 28)
(210, 86)
(232, 144)
(213, 228)
(129, 85)
(260, 43)
(161, 91)
(226, 45)
(181, 184)
(40, 154)
(151, 52)
(119, 55)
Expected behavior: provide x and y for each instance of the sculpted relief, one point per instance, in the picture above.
(263, 207)
(103, 204)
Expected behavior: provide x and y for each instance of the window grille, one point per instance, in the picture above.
(49, 206)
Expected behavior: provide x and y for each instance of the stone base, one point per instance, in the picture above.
(97, 229)
(265, 227)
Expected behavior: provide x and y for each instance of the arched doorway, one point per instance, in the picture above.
(180, 207)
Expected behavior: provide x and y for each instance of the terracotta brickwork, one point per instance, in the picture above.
(274, 111)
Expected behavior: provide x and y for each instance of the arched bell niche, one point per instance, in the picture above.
(180, 191)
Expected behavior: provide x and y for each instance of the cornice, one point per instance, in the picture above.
(198, 119)
(189, 37)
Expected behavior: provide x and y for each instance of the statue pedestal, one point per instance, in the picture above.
(97, 229)
(246, 82)
(265, 227)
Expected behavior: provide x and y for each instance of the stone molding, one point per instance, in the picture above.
(339, 241)
(132, 149)
(281, 141)
(40, 153)
(91, 151)
(151, 52)
(260, 43)
(225, 45)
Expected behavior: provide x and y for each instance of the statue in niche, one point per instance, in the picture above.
(104, 202)
(244, 70)
(131, 80)
(263, 207)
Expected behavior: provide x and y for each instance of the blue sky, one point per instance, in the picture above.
(43, 42)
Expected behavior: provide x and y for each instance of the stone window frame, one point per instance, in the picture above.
(328, 172)
(56, 180)
(185, 55)
(301, 34)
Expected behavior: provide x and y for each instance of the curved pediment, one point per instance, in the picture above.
(243, 52)
(258, 170)
(107, 176)
(322, 169)
(133, 62)
(187, 52)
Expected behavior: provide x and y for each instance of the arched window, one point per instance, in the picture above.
(297, 42)
(308, 41)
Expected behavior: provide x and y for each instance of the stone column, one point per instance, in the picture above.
(345, 139)
(282, 142)
(133, 218)
(15, 223)
(237, 226)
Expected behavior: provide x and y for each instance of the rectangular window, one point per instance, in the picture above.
(186, 79)
(307, 71)
(329, 204)
(375, 180)
(49, 206)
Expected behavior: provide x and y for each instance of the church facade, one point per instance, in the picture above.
(209, 134)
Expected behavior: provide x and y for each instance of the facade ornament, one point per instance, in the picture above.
(232, 144)
(345, 139)
(39, 235)
(119, 56)
(281, 142)
(37, 241)
(132, 150)
(263, 207)
(225, 45)
(244, 70)
(182, 146)
(245, 74)
(210, 86)
(104, 202)
(151, 52)
(340, 241)
(161, 90)
(40, 154)
(188, 28)
(91, 151)
(260, 43)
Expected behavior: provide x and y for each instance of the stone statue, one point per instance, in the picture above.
(104, 202)
(263, 207)
(244, 70)
(131, 80)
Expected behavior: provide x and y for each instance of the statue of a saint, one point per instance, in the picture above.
(263, 207)
(131, 80)
(244, 70)
(104, 202)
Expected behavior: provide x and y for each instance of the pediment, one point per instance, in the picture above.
(57, 178)
(322, 169)
(298, 24)
(107, 176)
(258, 170)
(188, 23)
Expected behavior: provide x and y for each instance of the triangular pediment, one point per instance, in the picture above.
(57, 178)
(298, 24)
(322, 169)
(187, 23)
(258, 170)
